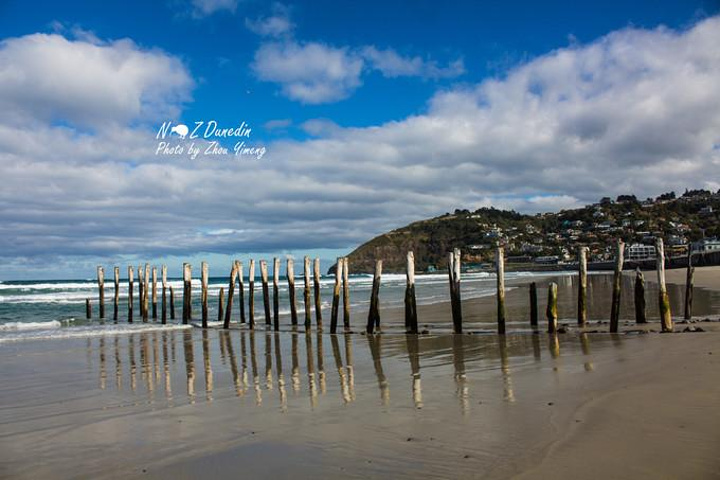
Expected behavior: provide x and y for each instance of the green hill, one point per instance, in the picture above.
(678, 221)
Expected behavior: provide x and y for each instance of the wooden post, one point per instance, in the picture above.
(163, 275)
(130, 293)
(276, 294)
(290, 274)
(454, 269)
(306, 291)
(336, 295)
(640, 297)
(346, 294)
(617, 288)
(187, 293)
(241, 289)
(221, 302)
(116, 297)
(251, 294)
(318, 300)
(374, 313)
(231, 294)
(500, 270)
(141, 288)
(204, 292)
(172, 303)
(88, 309)
(146, 293)
(533, 305)
(551, 311)
(664, 300)
(689, 285)
(265, 292)
(101, 290)
(582, 286)
(410, 303)
(154, 293)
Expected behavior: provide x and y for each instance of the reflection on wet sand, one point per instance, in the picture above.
(585, 346)
(508, 393)
(374, 342)
(413, 348)
(311, 371)
(344, 390)
(461, 388)
(280, 376)
(189, 364)
(404, 354)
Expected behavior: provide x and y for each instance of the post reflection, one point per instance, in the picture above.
(374, 342)
(280, 376)
(133, 367)
(413, 348)
(227, 341)
(461, 389)
(295, 373)
(537, 355)
(268, 361)
(554, 345)
(585, 347)
(321, 363)
(207, 366)
(189, 364)
(118, 364)
(344, 391)
(166, 366)
(103, 372)
(254, 367)
(349, 368)
(312, 386)
(508, 393)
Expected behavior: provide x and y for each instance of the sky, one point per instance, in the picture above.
(341, 120)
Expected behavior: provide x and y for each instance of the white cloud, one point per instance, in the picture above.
(391, 64)
(314, 73)
(275, 25)
(88, 82)
(310, 73)
(203, 8)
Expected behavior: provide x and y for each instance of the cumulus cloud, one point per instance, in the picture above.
(88, 82)
(314, 73)
(637, 111)
(391, 64)
(332, 73)
(275, 25)
(310, 73)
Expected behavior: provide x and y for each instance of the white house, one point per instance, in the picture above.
(639, 251)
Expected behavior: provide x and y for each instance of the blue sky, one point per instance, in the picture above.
(368, 110)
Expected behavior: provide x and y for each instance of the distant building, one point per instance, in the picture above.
(706, 246)
(549, 259)
(639, 252)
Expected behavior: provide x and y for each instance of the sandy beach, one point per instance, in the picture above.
(185, 403)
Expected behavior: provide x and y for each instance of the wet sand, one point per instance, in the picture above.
(704, 277)
(220, 404)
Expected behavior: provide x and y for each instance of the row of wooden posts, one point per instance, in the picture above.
(148, 288)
